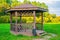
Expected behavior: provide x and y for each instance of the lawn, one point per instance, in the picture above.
(53, 28)
(50, 28)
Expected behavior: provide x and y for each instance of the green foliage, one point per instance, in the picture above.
(48, 21)
(46, 14)
(38, 4)
(9, 2)
(38, 26)
(29, 20)
(26, 1)
(15, 3)
(37, 14)
(2, 12)
(53, 15)
(43, 5)
(23, 20)
(4, 19)
(3, 7)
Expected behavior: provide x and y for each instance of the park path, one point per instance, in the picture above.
(46, 37)
(41, 39)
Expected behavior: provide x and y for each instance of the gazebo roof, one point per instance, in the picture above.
(27, 7)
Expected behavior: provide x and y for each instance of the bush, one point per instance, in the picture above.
(38, 26)
(4, 19)
(23, 20)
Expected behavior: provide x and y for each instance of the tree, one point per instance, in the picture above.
(9, 2)
(46, 14)
(3, 7)
(53, 15)
(43, 5)
(15, 3)
(27, 1)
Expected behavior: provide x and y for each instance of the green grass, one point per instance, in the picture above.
(53, 28)
(6, 35)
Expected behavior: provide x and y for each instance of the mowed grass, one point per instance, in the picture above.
(53, 28)
(6, 35)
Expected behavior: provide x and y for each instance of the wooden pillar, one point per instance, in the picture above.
(34, 24)
(41, 20)
(11, 21)
(20, 18)
(16, 21)
(20, 21)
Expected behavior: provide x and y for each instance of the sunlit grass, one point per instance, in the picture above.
(6, 35)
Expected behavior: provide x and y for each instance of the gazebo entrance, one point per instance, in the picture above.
(25, 28)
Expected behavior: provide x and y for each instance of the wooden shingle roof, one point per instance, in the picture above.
(27, 7)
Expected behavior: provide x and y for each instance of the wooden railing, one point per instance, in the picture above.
(21, 27)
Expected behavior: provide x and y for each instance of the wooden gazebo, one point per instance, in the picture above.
(17, 28)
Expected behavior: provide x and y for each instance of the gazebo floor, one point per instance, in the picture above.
(27, 32)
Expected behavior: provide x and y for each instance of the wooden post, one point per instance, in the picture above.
(11, 21)
(20, 22)
(20, 18)
(34, 27)
(41, 20)
(34, 24)
(16, 21)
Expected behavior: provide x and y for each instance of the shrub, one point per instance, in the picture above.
(4, 19)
